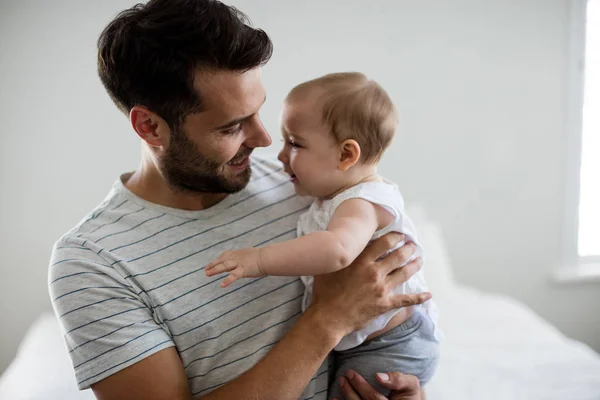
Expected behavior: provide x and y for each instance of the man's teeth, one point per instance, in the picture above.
(237, 162)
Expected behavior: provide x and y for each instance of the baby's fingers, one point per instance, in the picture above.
(212, 264)
(232, 277)
(218, 267)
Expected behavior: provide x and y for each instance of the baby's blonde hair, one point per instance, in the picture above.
(353, 107)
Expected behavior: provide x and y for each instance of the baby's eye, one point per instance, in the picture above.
(291, 142)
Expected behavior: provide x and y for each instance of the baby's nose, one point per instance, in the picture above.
(282, 156)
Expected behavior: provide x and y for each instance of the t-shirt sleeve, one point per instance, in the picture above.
(106, 321)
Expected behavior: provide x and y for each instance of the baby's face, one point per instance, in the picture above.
(309, 155)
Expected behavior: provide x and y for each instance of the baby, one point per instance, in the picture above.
(335, 130)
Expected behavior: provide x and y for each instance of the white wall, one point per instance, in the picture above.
(480, 84)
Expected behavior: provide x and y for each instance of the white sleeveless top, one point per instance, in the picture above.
(387, 195)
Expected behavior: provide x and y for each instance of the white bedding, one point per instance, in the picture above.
(495, 348)
(42, 368)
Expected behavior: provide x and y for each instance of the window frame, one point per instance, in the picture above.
(576, 267)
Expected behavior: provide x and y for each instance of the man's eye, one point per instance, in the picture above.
(233, 130)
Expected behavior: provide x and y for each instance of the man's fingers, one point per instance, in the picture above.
(362, 387)
(407, 385)
(407, 300)
(400, 275)
(398, 257)
(346, 389)
(354, 386)
(381, 246)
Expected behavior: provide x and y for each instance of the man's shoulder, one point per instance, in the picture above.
(113, 207)
(124, 218)
(112, 210)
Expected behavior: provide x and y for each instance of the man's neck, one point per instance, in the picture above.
(148, 184)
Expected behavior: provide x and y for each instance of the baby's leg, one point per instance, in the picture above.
(410, 348)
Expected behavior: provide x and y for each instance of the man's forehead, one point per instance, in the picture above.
(227, 96)
(221, 90)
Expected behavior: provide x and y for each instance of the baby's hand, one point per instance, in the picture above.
(244, 263)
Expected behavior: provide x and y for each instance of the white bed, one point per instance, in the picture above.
(495, 348)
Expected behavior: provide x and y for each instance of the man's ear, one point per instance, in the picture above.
(349, 154)
(151, 128)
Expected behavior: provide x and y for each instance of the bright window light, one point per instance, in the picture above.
(589, 200)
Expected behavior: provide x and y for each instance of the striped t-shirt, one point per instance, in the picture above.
(129, 281)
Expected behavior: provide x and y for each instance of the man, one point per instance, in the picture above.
(140, 317)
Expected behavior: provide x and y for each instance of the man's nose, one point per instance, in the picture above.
(257, 135)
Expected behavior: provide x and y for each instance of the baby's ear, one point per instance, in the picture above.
(349, 155)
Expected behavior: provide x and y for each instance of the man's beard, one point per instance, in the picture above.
(185, 169)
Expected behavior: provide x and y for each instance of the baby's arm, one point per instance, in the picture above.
(349, 231)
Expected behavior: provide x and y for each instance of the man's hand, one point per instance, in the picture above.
(348, 299)
(243, 263)
(404, 387)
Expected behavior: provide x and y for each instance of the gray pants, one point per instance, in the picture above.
(410, 348)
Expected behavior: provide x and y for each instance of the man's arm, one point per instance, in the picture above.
(352, 297)
(282, 374)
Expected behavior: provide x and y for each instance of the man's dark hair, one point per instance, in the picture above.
(148, 54)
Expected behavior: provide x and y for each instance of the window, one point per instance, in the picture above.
(582, 189)
(589, 186)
